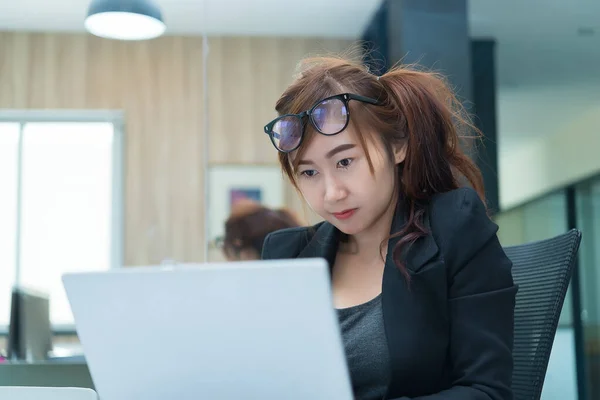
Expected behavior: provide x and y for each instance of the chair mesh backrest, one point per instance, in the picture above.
(543, 271)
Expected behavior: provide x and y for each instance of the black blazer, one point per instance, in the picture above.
(450, 331)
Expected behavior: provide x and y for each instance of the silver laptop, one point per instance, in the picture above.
(245, 330)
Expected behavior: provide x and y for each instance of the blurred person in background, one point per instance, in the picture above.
(248, 225)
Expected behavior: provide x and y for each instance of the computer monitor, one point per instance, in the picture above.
(30, 332)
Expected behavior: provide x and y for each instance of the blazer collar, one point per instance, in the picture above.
(323, 244)
(325, 239)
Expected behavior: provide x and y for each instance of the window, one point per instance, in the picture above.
(588, 220)
(62, 205)
(9, 150)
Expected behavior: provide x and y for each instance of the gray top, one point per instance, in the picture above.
(367, 354)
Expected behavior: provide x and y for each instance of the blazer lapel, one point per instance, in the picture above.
(420, 252)
(323, 244)
(400, 304)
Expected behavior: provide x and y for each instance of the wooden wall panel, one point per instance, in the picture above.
(159, 86)
(247, 76)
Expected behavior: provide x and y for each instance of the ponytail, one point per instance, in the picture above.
(433, 121)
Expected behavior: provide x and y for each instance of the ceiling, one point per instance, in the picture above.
(329, 18)
(510, 19)
(538, 40)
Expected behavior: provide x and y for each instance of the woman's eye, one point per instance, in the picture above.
(345, 163)
(308, 173)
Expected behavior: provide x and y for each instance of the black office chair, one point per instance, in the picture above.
(543, 271)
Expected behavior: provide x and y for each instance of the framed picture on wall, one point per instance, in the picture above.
(230, 183)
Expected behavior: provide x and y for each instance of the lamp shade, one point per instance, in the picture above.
(125, 19)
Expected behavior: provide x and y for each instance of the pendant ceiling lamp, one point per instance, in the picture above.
(125, 19)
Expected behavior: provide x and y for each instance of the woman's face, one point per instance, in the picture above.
(336, 181)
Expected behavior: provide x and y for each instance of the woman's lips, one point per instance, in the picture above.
(345, 214)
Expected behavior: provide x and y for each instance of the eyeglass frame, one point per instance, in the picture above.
(345, 97)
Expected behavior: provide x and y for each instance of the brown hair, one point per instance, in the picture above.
(249, 223)
(416, 107)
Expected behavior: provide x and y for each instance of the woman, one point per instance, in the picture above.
(248, 225)
(422, 287)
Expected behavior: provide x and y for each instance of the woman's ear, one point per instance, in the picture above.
(400, 151)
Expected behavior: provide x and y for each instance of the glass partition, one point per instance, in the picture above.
(588, 220)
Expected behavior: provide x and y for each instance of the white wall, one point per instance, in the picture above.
(548, 136)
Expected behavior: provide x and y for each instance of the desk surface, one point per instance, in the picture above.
(47, 373)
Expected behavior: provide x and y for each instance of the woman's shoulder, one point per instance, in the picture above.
(460, 223)
(461, 198)
(458, 209)
(288, 242)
